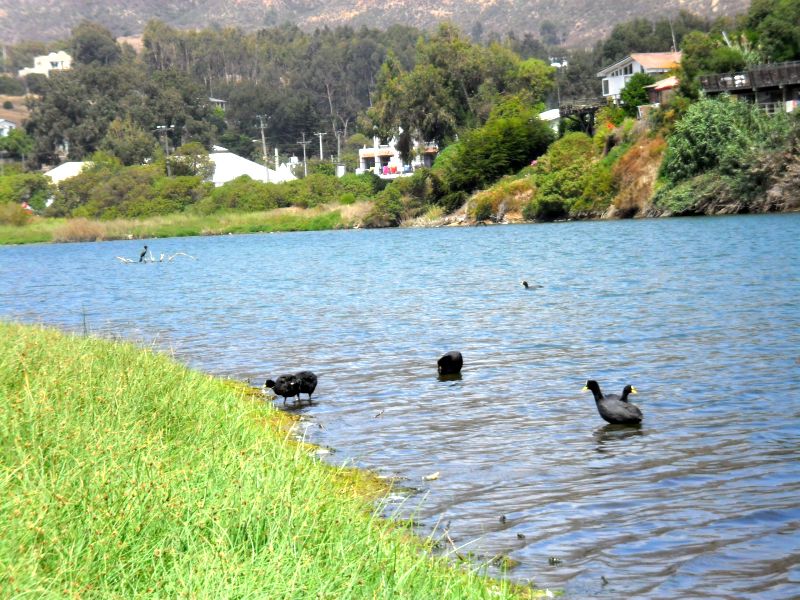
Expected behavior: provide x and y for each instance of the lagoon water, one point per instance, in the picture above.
(701, 315)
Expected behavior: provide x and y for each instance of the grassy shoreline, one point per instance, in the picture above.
(42, 230)
(127, 475)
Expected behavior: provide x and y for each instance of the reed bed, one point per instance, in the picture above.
(184, 224)
(127, 475)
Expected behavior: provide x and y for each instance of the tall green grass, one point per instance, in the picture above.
(126, 475)
(181, 225)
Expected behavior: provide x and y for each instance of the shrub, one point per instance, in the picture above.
(11, 86)
(8, 105)
(720, 133)
(33, 188)
(11, 213)
(481, 208)
(545, 208)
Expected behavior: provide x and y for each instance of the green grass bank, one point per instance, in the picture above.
(39, 229)
(127, 475)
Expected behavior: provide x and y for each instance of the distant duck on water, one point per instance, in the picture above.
(613, 408)
(450, 363)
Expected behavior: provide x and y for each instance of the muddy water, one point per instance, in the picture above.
(701, 315)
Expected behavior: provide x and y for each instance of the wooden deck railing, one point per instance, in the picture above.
(761, 76)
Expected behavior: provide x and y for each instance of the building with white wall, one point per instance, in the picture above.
(384, 159)
(42, 65)
(616, 76)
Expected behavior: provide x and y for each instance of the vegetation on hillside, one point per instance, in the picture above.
(145, 121)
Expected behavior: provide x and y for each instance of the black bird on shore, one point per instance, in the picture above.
(285, 385)
(143, 254)
(613, 408)
(450, 363)
(307, 383)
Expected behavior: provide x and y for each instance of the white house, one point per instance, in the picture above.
(228, 166)
(653, 63)
(65, 171)
(384, 159)
(6, 126)
(55, 61)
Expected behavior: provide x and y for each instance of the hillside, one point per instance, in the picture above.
(575, 22)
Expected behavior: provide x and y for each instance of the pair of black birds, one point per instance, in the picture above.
(291, 386)
(613, 408)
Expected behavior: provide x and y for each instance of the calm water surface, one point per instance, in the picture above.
(701, 315)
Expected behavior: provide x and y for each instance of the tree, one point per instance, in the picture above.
(128, 141)
(92, 43)
(775, 24)
(634, 93)
(191, 159)
(17, 143)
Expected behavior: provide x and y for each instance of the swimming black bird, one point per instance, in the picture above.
(613, 408)
(450, 363)
(628, 389)
(307, 383)
(285, 385)
(143, 254)
(529, 286)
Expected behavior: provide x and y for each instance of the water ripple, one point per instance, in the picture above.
(702, 315)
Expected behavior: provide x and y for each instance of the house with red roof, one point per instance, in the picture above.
(616, 76)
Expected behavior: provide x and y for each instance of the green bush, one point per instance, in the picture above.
(8, 105)
(11, 213)
(545, 208)
(722, 134)
(33, 188)
(688, 197)
(11, 86)
(387, 211)
(481, 208)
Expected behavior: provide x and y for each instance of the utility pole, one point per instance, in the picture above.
(261, 126)
(305, 143)
(321, 155)
(339, 133)
(162, 131)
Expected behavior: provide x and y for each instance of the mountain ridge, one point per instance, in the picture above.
(574, 22)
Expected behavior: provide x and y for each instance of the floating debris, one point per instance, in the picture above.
(431, 477)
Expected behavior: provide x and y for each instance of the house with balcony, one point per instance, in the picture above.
(384, 159)
(616, 76)
(774, 87)
(42, 65)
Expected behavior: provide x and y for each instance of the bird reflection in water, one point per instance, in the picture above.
(607, 435)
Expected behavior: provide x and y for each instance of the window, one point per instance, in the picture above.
(605, 87)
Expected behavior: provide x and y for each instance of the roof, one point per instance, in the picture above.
(658, 60)
(65, 171)
(664, 84)
(649, 60)
(228, 166)
(550, 115)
